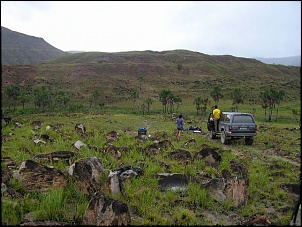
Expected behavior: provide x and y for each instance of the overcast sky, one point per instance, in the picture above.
(242, 29)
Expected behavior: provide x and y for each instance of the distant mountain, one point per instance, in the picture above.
(21, 49)
(289, 61)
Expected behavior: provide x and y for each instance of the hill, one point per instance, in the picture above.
(21, 49)
(187, 74)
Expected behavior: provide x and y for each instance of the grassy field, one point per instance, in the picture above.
(273, 160)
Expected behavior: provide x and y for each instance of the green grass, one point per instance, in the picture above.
(147, 204)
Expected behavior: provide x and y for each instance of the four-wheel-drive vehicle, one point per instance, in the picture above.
(234, 125)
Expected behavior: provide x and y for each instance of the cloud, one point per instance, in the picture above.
(246, 29)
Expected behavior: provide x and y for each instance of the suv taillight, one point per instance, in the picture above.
(230, 128)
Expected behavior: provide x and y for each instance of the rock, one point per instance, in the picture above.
(80, 128)
(78, 144)
(87, 173)
(113, 151)
(165, 144)
(233, 186)
(172, 181)
(112, 136)
(181, 155)
(37, 177)
(189, 142)
(104, 211)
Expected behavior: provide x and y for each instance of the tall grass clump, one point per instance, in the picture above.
(184, 216)
(226, 158)
(12, 212)
(199, 196)
(52, 206)
(260, 184)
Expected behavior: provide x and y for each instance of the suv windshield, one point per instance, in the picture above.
(243, 119)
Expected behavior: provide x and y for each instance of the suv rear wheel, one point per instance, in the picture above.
(223, 138)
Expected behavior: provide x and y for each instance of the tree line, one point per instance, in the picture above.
(43, 98)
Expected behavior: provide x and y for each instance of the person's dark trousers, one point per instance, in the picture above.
(216, 125)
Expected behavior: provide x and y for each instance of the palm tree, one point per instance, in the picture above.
(134, 95)
(62, 98)
(216, 94)
(140, 80)
(42, 97)
(272, 97)
(24, 97)
(269, 98)
(13, 92)
(237, 97)
(171, 101)
(177, 102)
(149, 102)
(143, 106)
(264, 99)
(9, 93)
(205, 102)
(96, 95)
(280, 95)
(197, 102)
(163, 97)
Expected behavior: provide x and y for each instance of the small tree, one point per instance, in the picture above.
(237, 97)
(280, 95)
(96, 95)
(13, 93)
(216, 94)
(177, 102)
(101, 105)
(197, 102)
(134, 96)
(140, 80)
(42, 97)
(149, 102)
(163, 97)
(264, 101)
(62, 98)
(296, 112)
(205, 102)
(24, 97)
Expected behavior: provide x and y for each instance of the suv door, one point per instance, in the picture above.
(211, 126)
(210, 123)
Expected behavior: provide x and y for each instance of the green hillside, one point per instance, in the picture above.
(187, 74)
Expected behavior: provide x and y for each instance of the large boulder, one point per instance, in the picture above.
(104, 211)
(233, 185)
(87, 173)
(37, 177)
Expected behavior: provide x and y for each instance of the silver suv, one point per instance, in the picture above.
(234, 125)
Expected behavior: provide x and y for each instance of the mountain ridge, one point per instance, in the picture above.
(21, 49)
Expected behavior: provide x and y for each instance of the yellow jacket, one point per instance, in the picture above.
(216, 114)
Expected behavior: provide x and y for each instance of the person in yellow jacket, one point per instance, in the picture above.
(216, 116)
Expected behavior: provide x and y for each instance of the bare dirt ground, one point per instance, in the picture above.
(272, 153)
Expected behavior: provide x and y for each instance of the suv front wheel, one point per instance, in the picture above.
(223, 138)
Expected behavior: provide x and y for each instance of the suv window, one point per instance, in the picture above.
(243, 119)
(225, 117)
